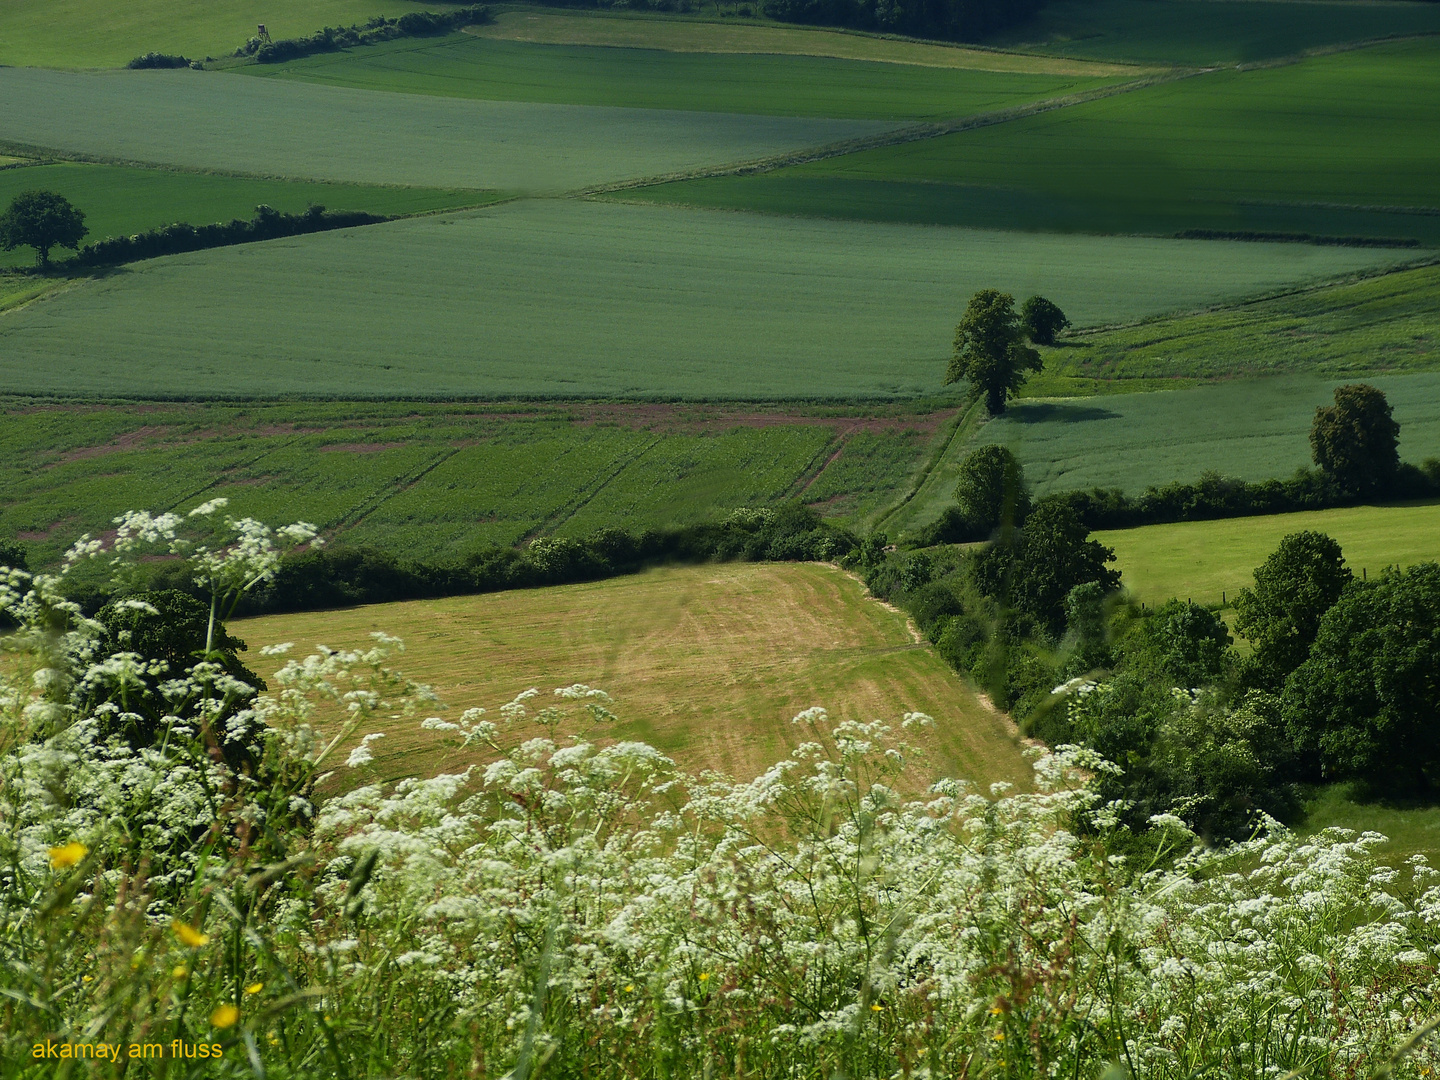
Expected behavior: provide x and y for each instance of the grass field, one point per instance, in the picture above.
(1251, 429)
(1208, 561)
(1384, 323)
(276, 127)
(439, 481)
(1311, 147)
(631, 31)
(1204, 32)
(119, 201)
(1412, 828)
(463, 65)
(568, 298)
(706, 663)
(89, 33)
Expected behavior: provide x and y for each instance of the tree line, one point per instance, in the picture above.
(949, 20)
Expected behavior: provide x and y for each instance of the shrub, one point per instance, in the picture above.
(159, 60)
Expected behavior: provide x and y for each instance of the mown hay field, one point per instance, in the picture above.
(1211, 561)
(617, 29)
(119, 200)
(91, 33)
(572, 299)
(463, 65)
(1202, 32)
(708, 664)
(436, 482)
(278, 127)
(1311, 147)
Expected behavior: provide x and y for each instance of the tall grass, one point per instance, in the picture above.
(582, 909)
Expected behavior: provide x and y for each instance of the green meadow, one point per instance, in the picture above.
(119, 200)
(438, 481)
(1325, 146)
(1251, 429)
(566, 298)
(1211, 561)
(89, 34)
(467, 66)
(277, 127)
(1206, 32)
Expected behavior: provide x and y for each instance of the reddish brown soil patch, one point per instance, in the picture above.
(359, 447)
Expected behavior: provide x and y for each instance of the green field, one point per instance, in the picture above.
(88, 33)
(119, 201)
(706, 663)
(440, 481)
(1384, 323)
(1327, 146)
(570, 298)
(1205, 32)
(463, 65)
(1208, 561)
(631, 30)
(1252, 429)
(277, 127)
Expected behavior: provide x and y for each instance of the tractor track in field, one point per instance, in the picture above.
(906, 133)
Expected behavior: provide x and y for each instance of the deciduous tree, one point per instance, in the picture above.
(1042, 319)
(991, 488)
(41, 220)
(1356, 440)
(990, 350)
(1281, 615)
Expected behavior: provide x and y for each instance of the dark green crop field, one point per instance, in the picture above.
(1385, 323)
(436, 481)
(1334, 146)
(1204, 32)
(463, 65)
(119, 201)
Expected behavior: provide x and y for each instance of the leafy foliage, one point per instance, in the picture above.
(41, 220)
(952, 20)
(1356, 440)
(1366, 702)
(1043, 320)
(991, 490)
(990, 350)
(1281, 615)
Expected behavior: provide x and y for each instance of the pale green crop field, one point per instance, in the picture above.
(94, 33)
(1211, 561)
(568, 298)
(275, 127)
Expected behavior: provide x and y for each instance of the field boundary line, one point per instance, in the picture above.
(905, 133)
(830, 452)
(368, 506)
(967, 421)
(565, 513)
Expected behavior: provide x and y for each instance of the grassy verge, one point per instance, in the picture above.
(706, 663)
(1211, 561)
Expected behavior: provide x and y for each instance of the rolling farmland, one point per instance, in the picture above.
(91, 34)
(706, 663)
(277, 127)
(119, 201)
(1204, 560)
(1323, 146)
(569, 298)
(1202, 32)
(439, 481)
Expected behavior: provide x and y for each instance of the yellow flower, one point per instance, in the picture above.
(224, 1016)
(87, 978)
(254, 988)
(630, 988)
(188, 935)
(704, 975)
(877, 1008)
(67, 854)
(996, 1010)
(180, 971)
(999, 1036)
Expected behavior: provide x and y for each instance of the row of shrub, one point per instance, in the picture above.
(952, 20)
(267, 224)
(1297, 238)
(161, 60)
(378, 29)
(1211, 497)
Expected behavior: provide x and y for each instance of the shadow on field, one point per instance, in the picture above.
(1048, 412)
